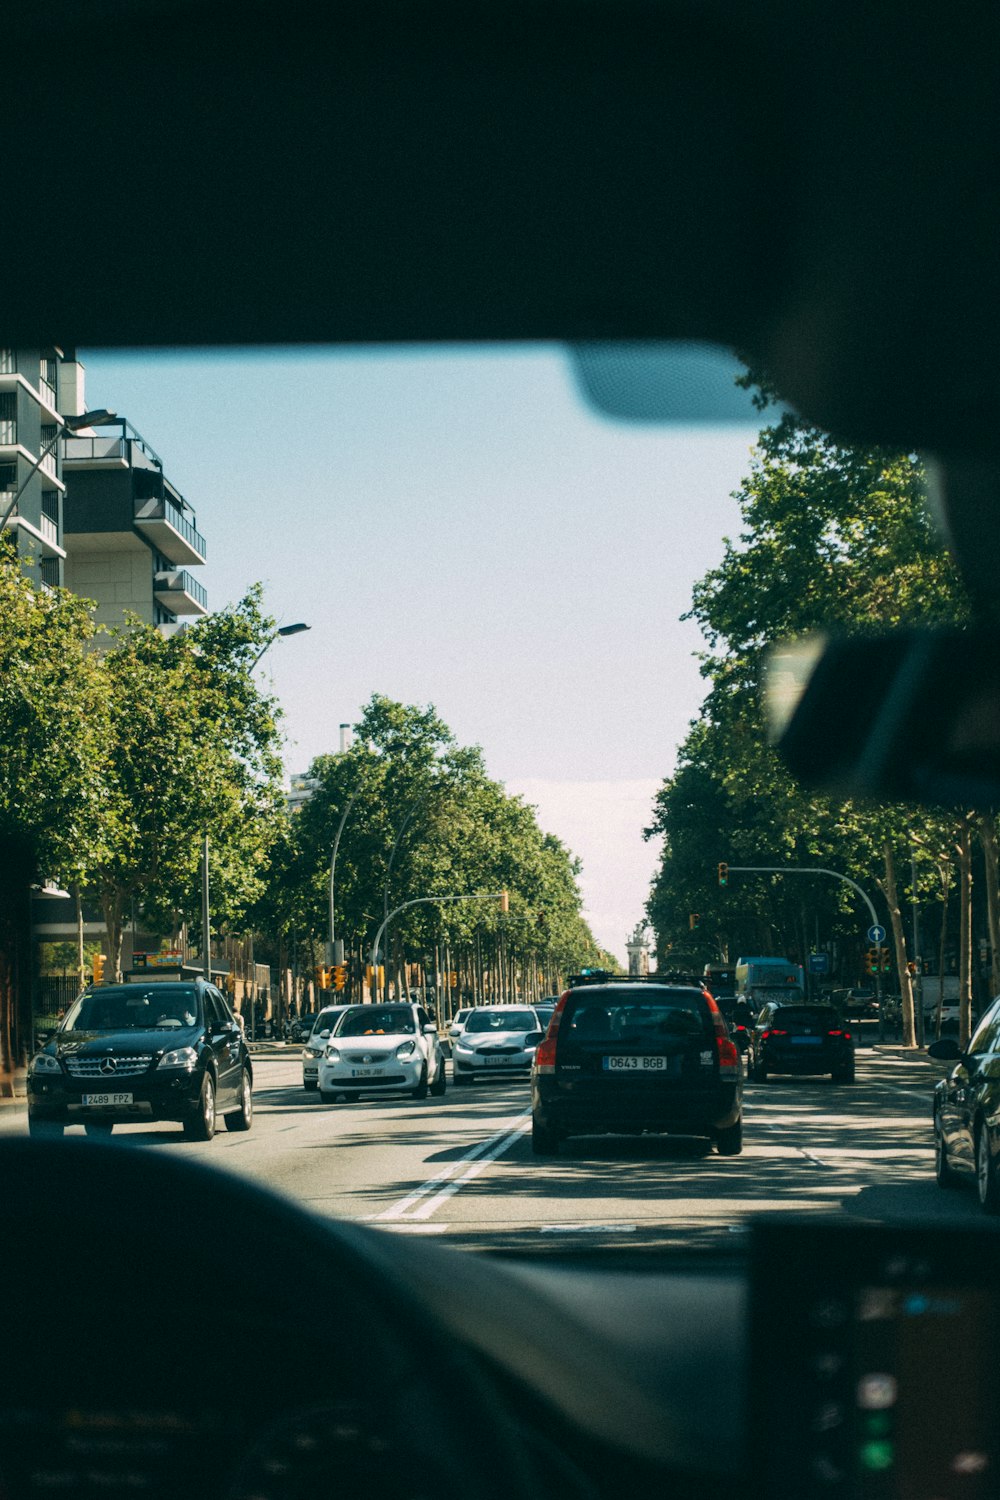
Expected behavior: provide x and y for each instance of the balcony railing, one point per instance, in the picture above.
(90, 449)
(179, 581)
(8, 431)
(8, 362)
(164, 510)
(49, 529)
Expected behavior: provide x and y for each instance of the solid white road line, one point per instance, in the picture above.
(587, 1228)
(414, 1206)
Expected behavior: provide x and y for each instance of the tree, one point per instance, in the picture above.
(194, 752)
(53, 772)
(832, 537)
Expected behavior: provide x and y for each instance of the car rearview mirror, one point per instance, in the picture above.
(324, 1034)
(911, 716)
(533, 1038)
(430, 1026)
(945, 1049)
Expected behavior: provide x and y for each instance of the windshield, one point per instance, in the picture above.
(482, 668)
(134, 1008)
(502, 1020)
(377, 1020)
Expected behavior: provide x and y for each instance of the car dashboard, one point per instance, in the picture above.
(162, 1346)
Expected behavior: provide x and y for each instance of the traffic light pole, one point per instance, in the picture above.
(333, 957)
(834, 875)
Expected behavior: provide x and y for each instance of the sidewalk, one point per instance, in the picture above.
(19, 1082)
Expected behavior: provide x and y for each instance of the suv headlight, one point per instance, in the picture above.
(405, 1050)
(44, 1062)
(179, 1057)
(332, 1055)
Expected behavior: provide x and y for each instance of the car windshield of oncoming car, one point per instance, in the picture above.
(134, 1008)
(502, 1020)
(633, 1016)
(377, 1020)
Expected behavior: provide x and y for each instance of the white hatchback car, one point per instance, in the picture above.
(457, 1025)
(382, 1049)
(316, 1041)
(497, 1041)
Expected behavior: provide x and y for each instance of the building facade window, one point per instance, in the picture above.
(8, 478)
(8, 361)
(48, 569)
(48, 375)
(48, 464)
(8, 416)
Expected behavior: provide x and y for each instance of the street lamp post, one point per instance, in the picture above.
(335, 953)
(282, 630)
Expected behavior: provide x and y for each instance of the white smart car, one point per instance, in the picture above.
(382, 1049)
(497, 1041)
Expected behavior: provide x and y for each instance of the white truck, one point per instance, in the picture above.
(761, 979)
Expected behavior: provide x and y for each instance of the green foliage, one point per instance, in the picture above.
(425, 819)
(832, 538)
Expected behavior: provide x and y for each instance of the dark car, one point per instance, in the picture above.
(801, 1039)
(635, 1056)
(966, 1109)
(150, 1051)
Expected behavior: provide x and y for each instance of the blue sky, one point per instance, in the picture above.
(459, 528)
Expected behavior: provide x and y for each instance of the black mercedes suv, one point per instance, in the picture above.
(149, 1051)
(624, 1056)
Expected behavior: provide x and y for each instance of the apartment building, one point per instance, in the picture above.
(130, 537)
(36, 386)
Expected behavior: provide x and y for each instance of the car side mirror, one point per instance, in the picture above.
(430, 1026)
(533, 1038)
(945, 1049)
(322, 1036)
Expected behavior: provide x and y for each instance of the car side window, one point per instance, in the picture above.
(987, 1033)
(423, 1017)
(214, 1007)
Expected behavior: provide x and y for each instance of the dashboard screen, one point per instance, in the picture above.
(874, 1363)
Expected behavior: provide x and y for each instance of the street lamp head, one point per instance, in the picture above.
(100, 417)
(293, 629)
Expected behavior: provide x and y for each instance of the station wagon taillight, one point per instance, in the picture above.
(726, 1051)
(545, 1052)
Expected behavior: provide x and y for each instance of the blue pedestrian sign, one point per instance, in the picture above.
(819, 963)
(876, 935)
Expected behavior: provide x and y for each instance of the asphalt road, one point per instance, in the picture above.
(461, 1167)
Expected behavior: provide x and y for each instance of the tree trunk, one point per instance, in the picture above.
(891, 894)
(991, 859)
(113, 906)
(965, 933)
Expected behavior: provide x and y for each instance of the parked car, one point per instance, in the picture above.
(382, 1049)
(315, 1042)
(147, 1051)
(966, 1111)
(498, 1041)
(633, 1056)
(801, 1039)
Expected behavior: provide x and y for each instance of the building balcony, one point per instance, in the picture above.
(94, 453)
(178, 592)
(164, 525)
(45, 533)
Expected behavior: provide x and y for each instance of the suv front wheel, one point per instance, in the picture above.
(201, 1125)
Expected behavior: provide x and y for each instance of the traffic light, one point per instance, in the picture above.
(694, 919)
(340, 976)
(99, 962)
(322, 977)
(723, 872)
(885, 961)
(870, 956)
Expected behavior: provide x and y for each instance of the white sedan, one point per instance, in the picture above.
(382, 1049)
(497, 1041)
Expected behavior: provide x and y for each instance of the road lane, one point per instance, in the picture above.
(461, 1167)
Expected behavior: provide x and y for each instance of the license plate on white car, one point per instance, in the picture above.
(367, 1072)
(104, 1101)
(498, 1062)
(635, 1064)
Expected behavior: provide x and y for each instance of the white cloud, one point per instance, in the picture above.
(602, 823)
